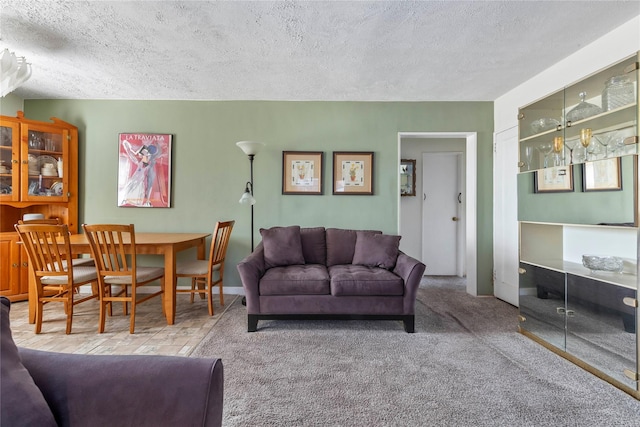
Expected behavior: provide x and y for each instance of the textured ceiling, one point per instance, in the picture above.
(295, 50)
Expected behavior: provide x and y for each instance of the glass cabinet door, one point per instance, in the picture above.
(593, 119)
(601, 328)
(9, 161)
(542, 303)
(45, 160)
(540, 125)
(600, 114)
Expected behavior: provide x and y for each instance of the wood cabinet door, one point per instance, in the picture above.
(9, 266)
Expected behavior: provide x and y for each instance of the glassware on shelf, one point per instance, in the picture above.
(528, 156)
(605, 140)
(597, 263)
(546, 149)
(585, 140)
(571, 144)
(558, 144)
(583, 109)
(618, 92)
(544, 124)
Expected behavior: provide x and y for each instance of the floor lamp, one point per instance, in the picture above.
(250, 148)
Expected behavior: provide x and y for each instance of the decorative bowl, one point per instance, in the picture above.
(603, 263)
(544, 124)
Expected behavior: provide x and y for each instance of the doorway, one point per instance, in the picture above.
(442, 213)
(411, 223)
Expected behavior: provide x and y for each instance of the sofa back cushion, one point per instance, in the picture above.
(376, 250)
(282, 246)
(314, 245)
(21, 401)
(341, 245)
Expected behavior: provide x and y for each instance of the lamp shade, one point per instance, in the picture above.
(250, 147)
(247, 199)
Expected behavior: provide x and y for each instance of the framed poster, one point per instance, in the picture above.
(602, 175)
(407, 177)
(353, 173)
(302, 172)
(554, 180)
(144, 170)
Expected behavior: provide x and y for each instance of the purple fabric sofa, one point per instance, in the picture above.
(41, 388)
(318, 273)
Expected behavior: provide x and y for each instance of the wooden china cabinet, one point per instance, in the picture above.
(38, 175)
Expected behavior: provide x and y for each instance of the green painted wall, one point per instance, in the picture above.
(579, 206)
(209, 171)
(10, 104)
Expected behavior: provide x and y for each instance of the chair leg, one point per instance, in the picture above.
(69, 304)
(107, 292)
(221, 294)
(125, 304)
(104, 304)
(193, 288)
(69, 315)
(210, 299)
(39, 312)
(132, 320)
(162, 295)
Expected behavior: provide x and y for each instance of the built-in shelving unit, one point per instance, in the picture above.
(579, 195)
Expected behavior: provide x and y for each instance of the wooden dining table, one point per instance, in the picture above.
(166, 244)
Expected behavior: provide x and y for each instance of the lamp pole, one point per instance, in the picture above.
(251, 156)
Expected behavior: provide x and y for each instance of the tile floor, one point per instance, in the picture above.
(152, 334)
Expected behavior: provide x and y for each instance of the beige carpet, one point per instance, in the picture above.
(465, 366)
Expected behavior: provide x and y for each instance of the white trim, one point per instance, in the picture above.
(471, 196)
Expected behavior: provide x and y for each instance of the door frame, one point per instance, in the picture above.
(471, 172)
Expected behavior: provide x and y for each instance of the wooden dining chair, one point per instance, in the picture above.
(205, 274)
(56, 279)
(56, 221)
(113, 247)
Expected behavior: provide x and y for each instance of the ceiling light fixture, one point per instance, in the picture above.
(14, 71)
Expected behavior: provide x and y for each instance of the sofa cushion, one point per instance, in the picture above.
(314, 245)
(21, 401)
(361, 280)
(341, 245)
(282, 246)
(309, 279)
(376, 250)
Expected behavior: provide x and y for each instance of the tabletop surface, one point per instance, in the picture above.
(143, 238)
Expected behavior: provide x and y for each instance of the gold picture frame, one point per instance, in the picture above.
(302, 172)
(554, 180)
(407, 177)
(352, 173)
(602, 175)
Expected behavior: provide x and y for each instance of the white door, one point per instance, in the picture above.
(441, 213)
(505, 214)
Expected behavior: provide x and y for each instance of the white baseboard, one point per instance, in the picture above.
(228, 290)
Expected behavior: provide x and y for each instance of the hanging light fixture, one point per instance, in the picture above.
(14, 71)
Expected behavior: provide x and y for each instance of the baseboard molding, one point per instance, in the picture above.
(228, 290)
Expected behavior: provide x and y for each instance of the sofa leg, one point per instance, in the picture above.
(409, 324)
(252, 323)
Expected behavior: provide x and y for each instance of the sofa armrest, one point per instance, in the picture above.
(251, 269)
(411, 270)
(84, 390)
